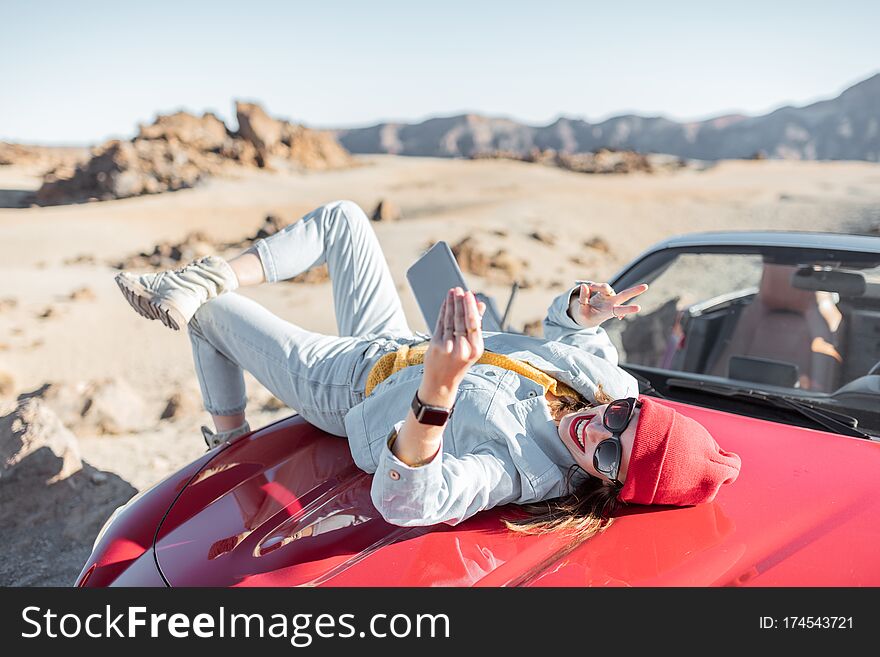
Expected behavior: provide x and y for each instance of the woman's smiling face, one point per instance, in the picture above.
(583, 430)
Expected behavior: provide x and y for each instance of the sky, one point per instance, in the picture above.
(79, 72)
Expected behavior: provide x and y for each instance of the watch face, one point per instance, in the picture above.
(437, 418)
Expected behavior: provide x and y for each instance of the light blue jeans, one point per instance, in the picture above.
(320, 376)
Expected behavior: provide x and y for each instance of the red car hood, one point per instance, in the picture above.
(286, 506)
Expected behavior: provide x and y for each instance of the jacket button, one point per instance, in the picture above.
(532, 393)
(394, 474)
(490, 373)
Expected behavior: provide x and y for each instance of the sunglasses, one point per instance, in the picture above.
(616, 418)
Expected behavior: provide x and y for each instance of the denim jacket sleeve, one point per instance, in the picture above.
(559, 326)
(449, 489)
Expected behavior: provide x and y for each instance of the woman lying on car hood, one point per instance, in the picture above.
(452, 422)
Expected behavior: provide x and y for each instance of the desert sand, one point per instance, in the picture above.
(64, 321)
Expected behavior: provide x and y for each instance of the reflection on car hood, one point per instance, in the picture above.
(286, 506)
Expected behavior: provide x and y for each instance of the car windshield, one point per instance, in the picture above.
(787, 322)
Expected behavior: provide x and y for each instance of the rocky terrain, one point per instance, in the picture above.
(178, 151)
(602, 161)
(843, 128)
(41, 158)
(54, 503)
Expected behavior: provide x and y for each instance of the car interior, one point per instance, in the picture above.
(792, 331)
(781, 334)
(786, 319)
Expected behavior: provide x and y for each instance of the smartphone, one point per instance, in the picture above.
(432, 276)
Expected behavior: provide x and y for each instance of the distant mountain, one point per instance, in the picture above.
(844, 128)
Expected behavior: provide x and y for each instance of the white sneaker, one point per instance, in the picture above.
(213, 440)
(174, 296)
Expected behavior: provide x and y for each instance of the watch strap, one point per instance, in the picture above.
(429, 414)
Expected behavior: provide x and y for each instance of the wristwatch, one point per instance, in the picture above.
(427, 414)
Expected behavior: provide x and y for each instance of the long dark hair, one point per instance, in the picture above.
(588, 509)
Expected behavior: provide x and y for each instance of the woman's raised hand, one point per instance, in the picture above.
(597, 302)
(457, 341)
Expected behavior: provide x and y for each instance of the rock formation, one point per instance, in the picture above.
(499, 266)
(108, 406)
(386, 211)
(31, 432)
(120, 169)
(52, 504)
(603, 160)
(276, 139)
(181, 403)
(180, 150)
(205, 133)
(42, 158)
(7, 384)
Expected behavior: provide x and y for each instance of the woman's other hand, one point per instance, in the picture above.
(456, 344)
(598, 302)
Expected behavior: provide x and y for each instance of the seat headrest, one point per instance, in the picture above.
(777, 292)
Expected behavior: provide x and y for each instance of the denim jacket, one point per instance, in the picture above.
(500, 444)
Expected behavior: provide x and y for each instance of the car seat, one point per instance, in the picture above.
(784, 323)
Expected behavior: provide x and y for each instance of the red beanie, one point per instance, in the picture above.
(675, 460)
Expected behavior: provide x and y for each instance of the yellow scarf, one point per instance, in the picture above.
(415, 355)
